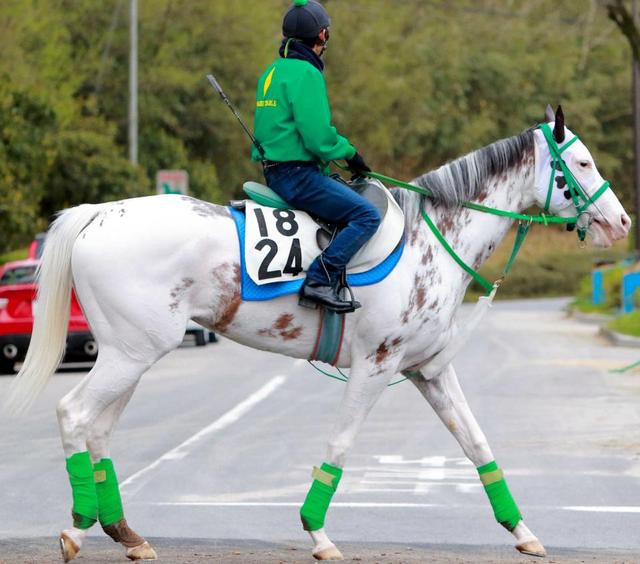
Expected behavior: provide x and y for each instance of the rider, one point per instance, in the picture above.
(293, 126)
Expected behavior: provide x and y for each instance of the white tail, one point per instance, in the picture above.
(49, 336)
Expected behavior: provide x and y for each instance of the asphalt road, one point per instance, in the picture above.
(218, 443)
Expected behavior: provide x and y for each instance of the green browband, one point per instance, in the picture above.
(504, 507)
(109, 501)
(85, 499)
(325, 483)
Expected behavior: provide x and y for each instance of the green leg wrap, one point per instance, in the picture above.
(85, 500)
(316, 504)
(504, 507)
(109, 501)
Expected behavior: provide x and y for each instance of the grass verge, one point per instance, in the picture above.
(628, 324)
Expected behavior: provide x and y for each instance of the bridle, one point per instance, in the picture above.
(581, 200)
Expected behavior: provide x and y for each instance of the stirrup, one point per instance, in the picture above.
(344, 285)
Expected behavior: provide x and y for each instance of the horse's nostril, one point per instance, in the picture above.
(625, 220)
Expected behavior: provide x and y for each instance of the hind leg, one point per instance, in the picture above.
(112, 380)
(97, 443)
(110, 511)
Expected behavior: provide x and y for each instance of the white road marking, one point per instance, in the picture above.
(364, 504)
(288, 504)
(420, 474)
(222, 422)
(604, 508)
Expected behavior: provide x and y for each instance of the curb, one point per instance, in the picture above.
(619, 339)
(594, 318)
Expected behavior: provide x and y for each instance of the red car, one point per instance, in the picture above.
(17, 294)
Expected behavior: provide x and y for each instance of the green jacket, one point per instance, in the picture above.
(293, 118)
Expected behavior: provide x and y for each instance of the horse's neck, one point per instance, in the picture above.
(475, 235)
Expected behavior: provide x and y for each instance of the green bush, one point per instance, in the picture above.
(18, 254)
(629, 324)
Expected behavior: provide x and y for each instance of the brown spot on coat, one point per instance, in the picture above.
(447, 223)
(427, 256)
(417, 297)
(283, 321)
(413, 236)
(291, 334)
(230, 295)
(382, 352)
(482, 195)
(229, 313)
(282, 327)
(179, 291)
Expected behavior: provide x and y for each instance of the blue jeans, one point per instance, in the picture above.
(307, 189)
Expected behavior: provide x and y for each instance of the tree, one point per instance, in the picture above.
(621, 16)
(25, 125)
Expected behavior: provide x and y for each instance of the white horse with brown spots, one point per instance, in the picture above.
(142, 268)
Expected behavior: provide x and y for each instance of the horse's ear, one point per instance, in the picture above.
(549, 116)
(558, 130)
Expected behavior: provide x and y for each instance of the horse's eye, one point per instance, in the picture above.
(585, 164)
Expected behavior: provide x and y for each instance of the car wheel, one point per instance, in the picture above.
(200, 340)
(7, 366)
(212, 337)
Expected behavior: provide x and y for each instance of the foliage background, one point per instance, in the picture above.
(413, 83)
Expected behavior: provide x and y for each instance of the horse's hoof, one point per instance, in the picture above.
(329, 553)
(143, 551)
(532, 548)
(69, 548)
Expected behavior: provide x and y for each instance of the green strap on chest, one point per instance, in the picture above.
(83, 489)
(325, 483)
(523, 230)
(504, 507)
(109, 502)
(488, 286)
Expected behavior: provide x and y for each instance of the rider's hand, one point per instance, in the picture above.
(357, 165)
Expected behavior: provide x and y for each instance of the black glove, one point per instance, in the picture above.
(357, 165)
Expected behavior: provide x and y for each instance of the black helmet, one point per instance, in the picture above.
(305, 20)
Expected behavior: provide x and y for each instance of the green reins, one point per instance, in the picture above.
(580, 198)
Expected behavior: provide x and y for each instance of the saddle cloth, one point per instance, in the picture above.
(277, 244)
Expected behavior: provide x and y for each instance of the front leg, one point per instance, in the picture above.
(369, 376)
(444, 394)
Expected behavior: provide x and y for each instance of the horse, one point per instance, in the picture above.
(143, 267)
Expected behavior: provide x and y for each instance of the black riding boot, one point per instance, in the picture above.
(315, 293)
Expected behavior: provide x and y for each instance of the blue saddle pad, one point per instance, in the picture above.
(253, 292)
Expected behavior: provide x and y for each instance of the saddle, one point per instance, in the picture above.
(293, 238)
